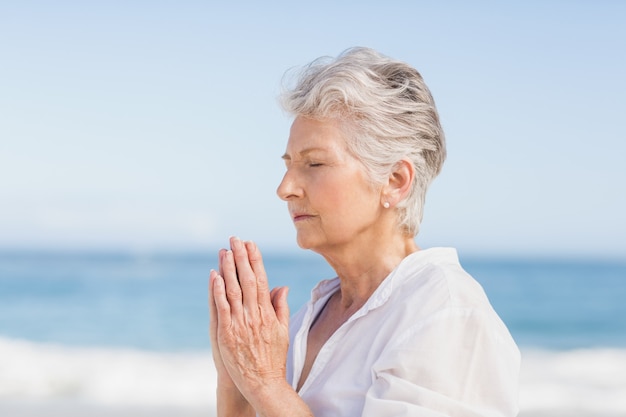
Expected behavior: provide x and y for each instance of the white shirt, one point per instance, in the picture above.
(427, 343)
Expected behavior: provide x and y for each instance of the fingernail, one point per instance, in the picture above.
(236, 242)
(219, 281)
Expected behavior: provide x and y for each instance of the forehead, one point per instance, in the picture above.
(310, 135)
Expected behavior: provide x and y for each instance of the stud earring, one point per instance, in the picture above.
(386, 204)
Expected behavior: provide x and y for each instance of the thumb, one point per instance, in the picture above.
(279, 302)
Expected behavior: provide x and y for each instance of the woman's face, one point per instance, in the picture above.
(330, 199)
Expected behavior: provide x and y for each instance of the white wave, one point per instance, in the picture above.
(581, 382)
(578, 382)
(42, 372)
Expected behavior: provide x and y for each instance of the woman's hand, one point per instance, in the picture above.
(223, 375)
(250, 334)
(229, 398)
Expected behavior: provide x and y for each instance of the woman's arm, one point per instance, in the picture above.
(252, 336)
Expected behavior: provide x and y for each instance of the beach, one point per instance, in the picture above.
(83, 410)
(119, 335)
(66, 410)
(51, 380)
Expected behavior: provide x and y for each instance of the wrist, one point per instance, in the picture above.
(226, 386)
(278, 398)
(230, 401)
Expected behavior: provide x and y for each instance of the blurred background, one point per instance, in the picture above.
(136, 137)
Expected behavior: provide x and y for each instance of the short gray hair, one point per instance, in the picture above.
(387, 112)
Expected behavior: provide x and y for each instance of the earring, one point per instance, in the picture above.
(386, 204)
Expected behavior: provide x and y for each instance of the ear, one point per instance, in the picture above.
(399, 183)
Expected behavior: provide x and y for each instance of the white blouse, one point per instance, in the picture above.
(427, 343)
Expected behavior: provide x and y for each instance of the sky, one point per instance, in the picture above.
(151, 126)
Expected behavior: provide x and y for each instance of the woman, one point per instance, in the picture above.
(401, 331)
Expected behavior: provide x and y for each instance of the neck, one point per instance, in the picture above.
(361, 269)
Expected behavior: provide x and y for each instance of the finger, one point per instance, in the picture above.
(212, 307)
(220, 260)
(280, 304)
(256, 263)
(222, 305)
(213, 315)
(231, 284)
(247, 279)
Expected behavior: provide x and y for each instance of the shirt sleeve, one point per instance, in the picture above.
(458, 362)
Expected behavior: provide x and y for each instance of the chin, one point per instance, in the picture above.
(302, 243)
(305, 242)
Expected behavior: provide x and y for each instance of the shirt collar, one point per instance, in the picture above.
(412, 262)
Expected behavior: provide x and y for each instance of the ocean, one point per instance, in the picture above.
(103, 333)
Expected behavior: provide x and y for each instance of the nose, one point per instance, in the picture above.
(288, 187)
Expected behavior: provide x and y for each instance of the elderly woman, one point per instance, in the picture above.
(401, 331)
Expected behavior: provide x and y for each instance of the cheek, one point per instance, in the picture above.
(341, 192)
(350, 202)
(336, 196)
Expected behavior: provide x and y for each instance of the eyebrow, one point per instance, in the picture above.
(306, 151)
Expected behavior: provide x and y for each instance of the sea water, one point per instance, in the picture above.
(132, 330)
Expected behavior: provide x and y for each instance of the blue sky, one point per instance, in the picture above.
(155, 126)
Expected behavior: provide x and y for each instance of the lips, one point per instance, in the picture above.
(299, 216)
(302, 217)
